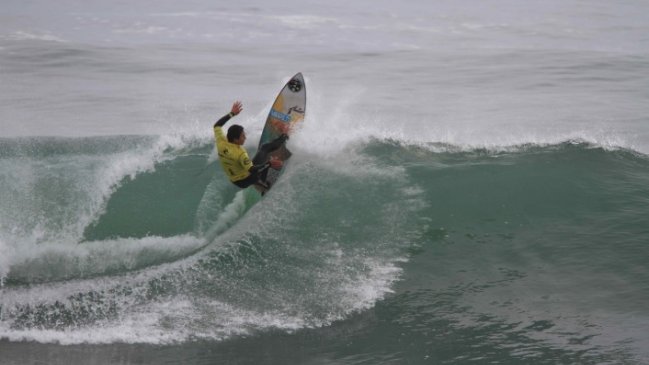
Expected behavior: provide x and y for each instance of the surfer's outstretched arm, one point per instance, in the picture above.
(237, 107)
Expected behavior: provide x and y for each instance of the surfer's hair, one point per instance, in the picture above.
(234, 132)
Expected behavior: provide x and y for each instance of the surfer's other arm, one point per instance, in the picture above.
(237, 107)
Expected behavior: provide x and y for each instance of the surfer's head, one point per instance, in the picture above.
(236, 134)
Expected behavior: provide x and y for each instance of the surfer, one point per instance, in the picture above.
(234, 158)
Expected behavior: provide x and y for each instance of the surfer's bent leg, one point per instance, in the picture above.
(244, 183)
(275, 144)
(262, 155)
(257, 174)
(260, 163)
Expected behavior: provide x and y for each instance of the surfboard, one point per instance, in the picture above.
(287, 111)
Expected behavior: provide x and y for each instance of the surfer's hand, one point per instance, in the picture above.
(275, 163)
(237, 107)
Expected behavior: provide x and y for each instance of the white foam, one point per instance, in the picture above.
(305, 21)
(461, 142)
(57, 261)
(229, 215)
(363, 292)
(172, 321)
(140, 28)
(28, 36)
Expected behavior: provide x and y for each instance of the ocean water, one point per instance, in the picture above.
(470, 184)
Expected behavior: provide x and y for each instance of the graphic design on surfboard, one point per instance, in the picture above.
(287, 111)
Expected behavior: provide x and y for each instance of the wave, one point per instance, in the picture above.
(141, 239)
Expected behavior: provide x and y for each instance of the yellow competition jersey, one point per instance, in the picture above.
(234, 158)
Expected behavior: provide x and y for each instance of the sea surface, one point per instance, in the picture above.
(470, 184)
